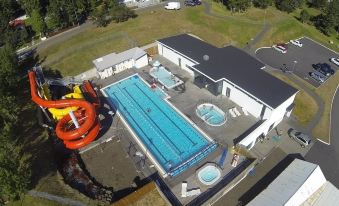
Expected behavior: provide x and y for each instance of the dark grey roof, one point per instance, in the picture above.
(234, 65)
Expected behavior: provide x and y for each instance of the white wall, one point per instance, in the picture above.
(243, 100)
(141, 62)
(312, 184)
(174, 57)
(275, 118)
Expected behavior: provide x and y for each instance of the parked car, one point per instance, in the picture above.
(280, 48)
(197, 2)
(172, 6)
(323, 68)
(296, 43)
(317, 76)
(303, 139)
(189, 3)
(335, 61)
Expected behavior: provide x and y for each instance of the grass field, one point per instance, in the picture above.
(75, 55)
(303, 102)
(326, 92)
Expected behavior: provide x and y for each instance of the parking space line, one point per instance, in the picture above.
(321, 44)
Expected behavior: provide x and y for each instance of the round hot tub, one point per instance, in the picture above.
(209, 174)
(211, 114)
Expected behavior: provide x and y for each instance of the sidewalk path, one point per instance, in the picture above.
(65, 201)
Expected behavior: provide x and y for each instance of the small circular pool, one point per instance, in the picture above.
(209, 174)
(211, 114)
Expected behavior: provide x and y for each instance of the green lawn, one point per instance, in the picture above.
(303, 102)
(75, 55)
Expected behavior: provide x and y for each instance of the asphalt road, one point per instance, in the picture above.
(327, 156)
(298, 60)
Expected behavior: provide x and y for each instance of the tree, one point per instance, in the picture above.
(329, 21)
(119, 12)
(288, 5)
(304, 16)
(7, 11)
(263, 4)
(14, 173)
(238, 5)
(9, 77)
(319, 3)
(100, 15)
(30, 5)
(36, 22)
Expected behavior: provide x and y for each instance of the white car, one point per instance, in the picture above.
(296, 43)
(335, 61)
(280, 48)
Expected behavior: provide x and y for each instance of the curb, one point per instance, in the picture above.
(330, 126)
(322, 141)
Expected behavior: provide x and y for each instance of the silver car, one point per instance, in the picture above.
(317, 76)
(303, 139)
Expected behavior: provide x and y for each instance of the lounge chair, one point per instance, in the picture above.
(236, 111)
(184, 189)
(244, 111)
(232, 113)
(193, 192)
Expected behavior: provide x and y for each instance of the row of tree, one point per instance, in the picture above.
(14, 172)
(50, 15)
(327, 21)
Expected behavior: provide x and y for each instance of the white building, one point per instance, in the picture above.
(114, 63)
(301, 183)
(232, 72)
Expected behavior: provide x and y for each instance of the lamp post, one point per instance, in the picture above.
(295, 62)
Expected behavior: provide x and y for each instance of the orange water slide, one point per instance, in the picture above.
(74, 138)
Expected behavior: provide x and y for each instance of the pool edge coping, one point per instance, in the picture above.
(141, 144)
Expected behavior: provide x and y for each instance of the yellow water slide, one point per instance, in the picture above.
(60, 113)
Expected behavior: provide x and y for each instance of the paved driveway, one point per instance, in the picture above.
(298, 60)
(328, 156)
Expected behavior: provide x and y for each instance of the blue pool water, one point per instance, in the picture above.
(172, 141)
(165, 77)
(211, 114)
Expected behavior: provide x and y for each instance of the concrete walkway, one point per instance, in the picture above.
(265, 27)
(65, 201)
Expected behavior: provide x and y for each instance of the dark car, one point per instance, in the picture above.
(189, 3)
(323, 68)
(197, 2)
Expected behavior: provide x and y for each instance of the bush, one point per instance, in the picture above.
(263, 4)
(304, 16)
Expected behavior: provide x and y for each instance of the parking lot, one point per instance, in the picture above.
(299, 60)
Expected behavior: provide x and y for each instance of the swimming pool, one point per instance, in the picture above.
(165, 77)
(167, 137)
(211, 114)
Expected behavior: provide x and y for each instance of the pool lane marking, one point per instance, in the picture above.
(136, 138)
(177, 153)
(155, 125)
(186, 135)
(141, 129)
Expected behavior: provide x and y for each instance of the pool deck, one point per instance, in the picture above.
(185, 98)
